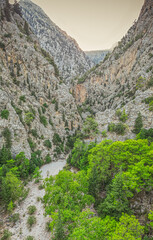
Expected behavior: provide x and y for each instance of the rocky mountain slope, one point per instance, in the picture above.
(37, 111)
(123, 79)
(70, 59)
(97, 56)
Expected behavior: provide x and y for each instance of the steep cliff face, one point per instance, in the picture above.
(70, 59)
(97, 56)
(125, 74)
(34, 104)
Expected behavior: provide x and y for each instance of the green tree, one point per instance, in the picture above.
(138, 124)
(128, 228)
(11, 189)
(116, 200)
(23, 164)
(87, 226)
(90, 127)
(59, 230)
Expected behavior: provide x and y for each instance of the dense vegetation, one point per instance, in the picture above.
(97, 202)
(13, 173)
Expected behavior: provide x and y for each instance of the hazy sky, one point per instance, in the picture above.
(95, 24)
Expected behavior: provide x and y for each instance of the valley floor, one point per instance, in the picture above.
(20, 230)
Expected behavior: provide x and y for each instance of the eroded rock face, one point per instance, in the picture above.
(70, 59)
(39, 104)
(124, 75)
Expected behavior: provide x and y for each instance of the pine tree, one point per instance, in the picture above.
(138, 124)
(59, 231)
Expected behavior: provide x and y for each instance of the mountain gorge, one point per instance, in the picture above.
(58, 109)
(70, 59)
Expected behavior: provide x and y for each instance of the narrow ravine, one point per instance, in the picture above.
(20, 230)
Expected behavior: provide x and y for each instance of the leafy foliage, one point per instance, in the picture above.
(90, 127)
(119, 128)
(5, 114)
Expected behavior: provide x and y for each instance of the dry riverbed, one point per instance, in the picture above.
(20, 230)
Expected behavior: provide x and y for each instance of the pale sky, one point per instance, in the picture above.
(94, 24)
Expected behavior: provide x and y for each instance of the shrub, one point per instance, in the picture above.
(43, 109)
(30, 238)
(31, 209)
(34, 133)
(4, 114)
(119, 128)
(47, 144)
(56, 139)
(31, 221)
(104, 133)
(148, 100)
(146, 134)
(6, 235)
(48, 158)
(45, 105)
(29, 117)
(43, 120)
(121, 115)
(31, 144)
(22, 98)
(138, 124)
(90, 127)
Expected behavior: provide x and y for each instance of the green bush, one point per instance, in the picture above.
(146, 134)
(31, 209)
(5, 114)
(31, 144)
(90, 127)
(43, 120)
(45, 105)
(43, 109)
(30, 238)
(56, 139)
(48, 158)
(148, 100)
(31, 221)
(121, 115)
(104, 133)
(47, 143)
(6, 235)
(118, 128)
(29, 117)
(34, 133)
(22, 98)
